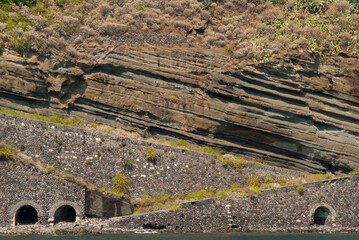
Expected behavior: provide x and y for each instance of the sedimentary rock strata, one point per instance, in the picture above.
(297, 113)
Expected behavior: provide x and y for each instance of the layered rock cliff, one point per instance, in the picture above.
(297, 113)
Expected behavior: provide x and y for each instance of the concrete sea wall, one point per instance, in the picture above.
(323, 206)
(24, 188)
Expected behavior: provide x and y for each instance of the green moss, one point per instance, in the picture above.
(352, 173)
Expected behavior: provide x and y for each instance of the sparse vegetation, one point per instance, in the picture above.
(253, 182)
(236, 164)
(7, 152)
(120, 185)
(352, 173)
(259, 30)
(128, 165)
(300, 190)
(150, 154)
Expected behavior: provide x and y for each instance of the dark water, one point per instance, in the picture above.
(198, 236)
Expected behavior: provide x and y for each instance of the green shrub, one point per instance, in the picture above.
(253, 182)
(120, 185)
(235, 164)
(24, 2)
(182, 143)
(17, 43)
(128, 165)
(208, 150)
(150, 154)
(50, 169)
(300, 190)
(268, 180)
(7, 152)
(281, 181)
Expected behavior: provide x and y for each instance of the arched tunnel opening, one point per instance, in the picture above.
(320, 215)
(26, 215)
(65, 213)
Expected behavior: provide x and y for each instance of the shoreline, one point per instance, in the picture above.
(96, 226)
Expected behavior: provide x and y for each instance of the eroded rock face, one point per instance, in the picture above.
(300, 114)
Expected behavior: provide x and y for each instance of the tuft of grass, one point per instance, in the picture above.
(236, 164)
(12, 112)
(281, 181)
(7, 152)
(208, 150)
(268, 180)
(253, 182)
(120, 185)
(300, 190)
(181, 143)
(128, 165)
(352, 173)
(150, 154)
(201, 194)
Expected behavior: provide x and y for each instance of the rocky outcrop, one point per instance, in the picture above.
(297, 113)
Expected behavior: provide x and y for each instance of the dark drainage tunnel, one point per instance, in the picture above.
(26, 215)
(321, 215)
(65, 213)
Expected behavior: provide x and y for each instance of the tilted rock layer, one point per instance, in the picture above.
(297, 113)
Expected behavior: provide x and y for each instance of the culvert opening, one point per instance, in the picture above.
(65, 213)
(320, 215)
(26, 215)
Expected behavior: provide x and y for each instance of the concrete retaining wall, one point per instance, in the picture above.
(22, 185)
(282, 209)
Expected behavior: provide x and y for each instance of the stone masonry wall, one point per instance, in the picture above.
(282, 209)
(22, 185)
(98, 158)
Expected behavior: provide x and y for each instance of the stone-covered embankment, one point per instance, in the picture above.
(326, 206)
(97, 158)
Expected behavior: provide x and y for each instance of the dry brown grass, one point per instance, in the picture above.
(254, 29)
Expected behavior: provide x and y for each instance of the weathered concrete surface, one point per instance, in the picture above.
(297, 113)
(101, 206)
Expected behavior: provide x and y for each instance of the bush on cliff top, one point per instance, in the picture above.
(258, 30)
